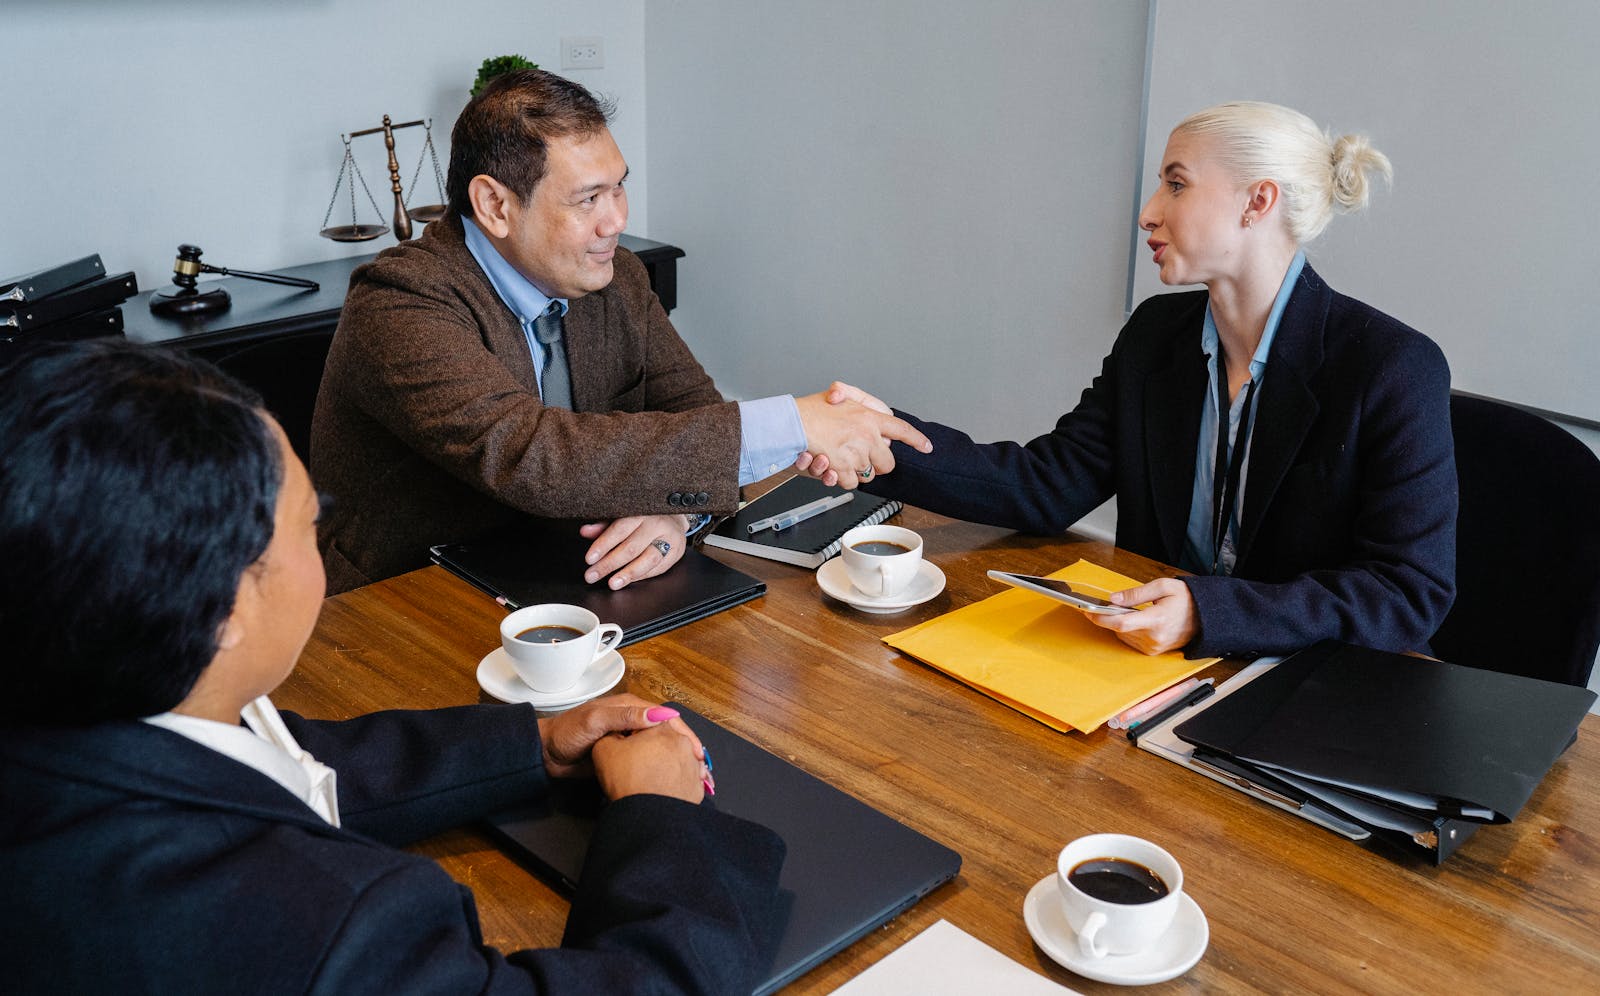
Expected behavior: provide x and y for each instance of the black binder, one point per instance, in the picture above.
(96, 295)
(1418, 751)
(93, 325)
(51, 279)
(542, 561)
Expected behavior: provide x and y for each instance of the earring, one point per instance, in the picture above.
(1247, 221)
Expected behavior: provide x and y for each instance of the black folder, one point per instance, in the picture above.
(95, 295)
(94, 325)
(51, 279)
(1412, 748)
(542, 561)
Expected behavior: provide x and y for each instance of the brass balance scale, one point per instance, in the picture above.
(186, 299)
(350, 175)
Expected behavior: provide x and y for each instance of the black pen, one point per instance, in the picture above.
(1198, 695)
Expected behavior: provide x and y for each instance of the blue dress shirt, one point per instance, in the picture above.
(1199, 550)
(525, 300)
(770, 432)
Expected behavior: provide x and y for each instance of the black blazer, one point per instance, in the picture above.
(1348, 526)
(137, 861)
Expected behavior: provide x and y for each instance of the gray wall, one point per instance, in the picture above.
(132, 127)
(929, 199)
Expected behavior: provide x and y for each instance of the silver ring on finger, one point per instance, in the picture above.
(662, 546)
(865, 475)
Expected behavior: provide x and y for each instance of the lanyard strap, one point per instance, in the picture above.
(1226, 472)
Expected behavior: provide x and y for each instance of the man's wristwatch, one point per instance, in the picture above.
(694, 523)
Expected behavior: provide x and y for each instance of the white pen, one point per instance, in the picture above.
(783, 520)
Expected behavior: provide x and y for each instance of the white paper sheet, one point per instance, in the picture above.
(945, 960)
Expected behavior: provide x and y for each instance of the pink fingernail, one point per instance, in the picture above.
(660, 714)
(711, 787)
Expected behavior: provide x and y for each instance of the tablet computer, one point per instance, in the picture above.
(1087, 597)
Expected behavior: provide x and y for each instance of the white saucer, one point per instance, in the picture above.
(498, 677)
(1175, 953)
(835, 581)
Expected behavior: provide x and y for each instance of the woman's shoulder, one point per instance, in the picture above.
(1376, 336)
(1167, 310)
(1161, 319)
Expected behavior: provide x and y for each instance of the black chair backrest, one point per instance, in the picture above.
(287, 370)
(1527, 546)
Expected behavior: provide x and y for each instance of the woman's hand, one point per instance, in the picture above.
(570, 737)
(631, 547)
(1169, 622)
(657, 761)
(816, 465)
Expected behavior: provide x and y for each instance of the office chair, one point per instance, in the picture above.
(1527, 546)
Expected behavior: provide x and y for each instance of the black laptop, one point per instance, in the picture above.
(542, 561)
(848, 869)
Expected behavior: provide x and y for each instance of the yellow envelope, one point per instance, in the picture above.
(1043, 658)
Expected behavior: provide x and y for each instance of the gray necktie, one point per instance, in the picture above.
(555, 389)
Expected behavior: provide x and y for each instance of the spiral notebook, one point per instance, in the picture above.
(809, 543)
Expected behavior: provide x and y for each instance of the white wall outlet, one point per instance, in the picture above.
(588, 52)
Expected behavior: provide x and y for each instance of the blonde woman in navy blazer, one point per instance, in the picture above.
(1346, 528)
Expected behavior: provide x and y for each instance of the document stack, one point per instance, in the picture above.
(1388, 746)
(75, 300)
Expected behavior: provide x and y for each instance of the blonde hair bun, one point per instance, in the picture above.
(1314, 172)
(1354, 160)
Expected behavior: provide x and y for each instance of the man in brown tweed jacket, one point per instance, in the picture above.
(431, 424)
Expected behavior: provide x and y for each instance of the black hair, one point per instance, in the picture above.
(136, 487)
(503, 131)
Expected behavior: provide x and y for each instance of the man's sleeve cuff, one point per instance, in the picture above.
(771, 436)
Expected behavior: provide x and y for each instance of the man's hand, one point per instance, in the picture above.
(1168, 623)
(569, 737)
(838, 392)
(631, 547)
(848, 441)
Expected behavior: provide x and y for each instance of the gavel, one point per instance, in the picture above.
(188, 299)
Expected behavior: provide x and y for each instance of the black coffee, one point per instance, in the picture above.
(879, 548)
(1116, 880)
(549, 634)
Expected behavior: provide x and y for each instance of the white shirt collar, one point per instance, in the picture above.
(266, 746)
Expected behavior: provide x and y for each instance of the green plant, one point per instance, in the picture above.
(499, 66)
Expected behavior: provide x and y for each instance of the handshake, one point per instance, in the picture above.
(848, 432)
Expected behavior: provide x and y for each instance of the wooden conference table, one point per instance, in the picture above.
(1290, 906)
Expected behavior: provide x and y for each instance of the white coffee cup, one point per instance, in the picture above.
(1117, 928)
(881, 574)
(555, 666)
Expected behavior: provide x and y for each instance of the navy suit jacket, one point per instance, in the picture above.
(1348, 526)
(138, 861)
